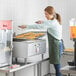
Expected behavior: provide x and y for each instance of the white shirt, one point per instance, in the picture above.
(53, 27)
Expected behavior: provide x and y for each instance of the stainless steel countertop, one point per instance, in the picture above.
(7, 69)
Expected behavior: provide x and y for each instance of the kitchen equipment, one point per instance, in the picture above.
(5, 42)
(22, 48)
(72, 28)
(73, 37)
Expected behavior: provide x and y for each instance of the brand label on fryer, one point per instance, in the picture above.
(5, 24)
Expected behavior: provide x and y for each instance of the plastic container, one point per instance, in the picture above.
(73, 28)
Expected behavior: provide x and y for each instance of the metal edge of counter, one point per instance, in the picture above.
(21, 67)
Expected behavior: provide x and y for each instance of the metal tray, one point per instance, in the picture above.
(23, 39)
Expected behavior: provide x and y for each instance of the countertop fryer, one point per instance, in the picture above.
(24, 48)
(5, 42)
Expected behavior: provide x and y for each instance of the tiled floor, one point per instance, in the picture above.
(50, 74)
(64, 59)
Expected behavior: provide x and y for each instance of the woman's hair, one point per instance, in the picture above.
(51, 11)
(58, 17)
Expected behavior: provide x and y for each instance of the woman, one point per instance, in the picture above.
(54, 38)
(54, 32)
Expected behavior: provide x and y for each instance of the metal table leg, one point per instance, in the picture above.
(39, 69)
(68, 74)
(6, 74)
(34, 70)
(13, 73)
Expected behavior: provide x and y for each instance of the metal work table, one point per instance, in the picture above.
(8, 70)
(68, 70)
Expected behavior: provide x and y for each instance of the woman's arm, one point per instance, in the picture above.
(35, 26)
(43, 25)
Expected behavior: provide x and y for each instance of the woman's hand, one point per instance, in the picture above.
(39, 22)
(22, 26)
